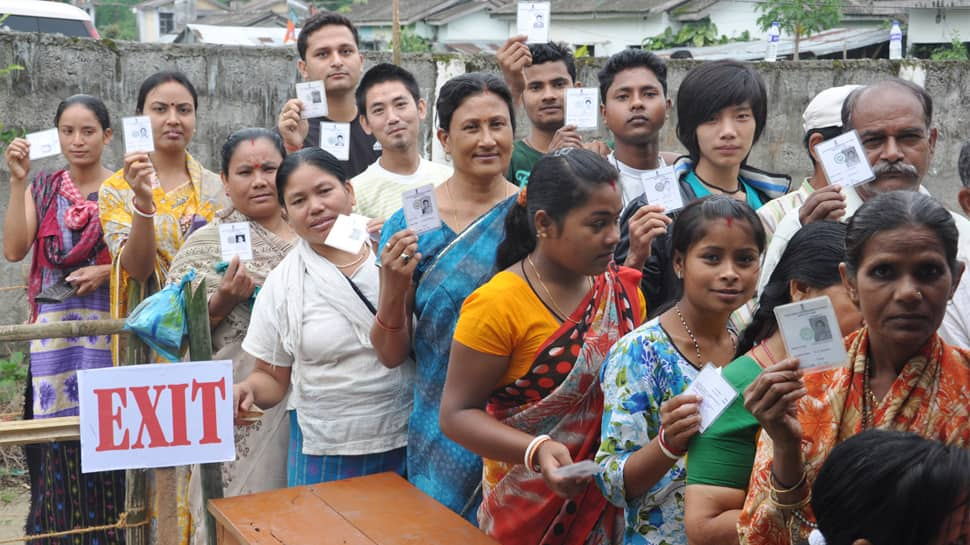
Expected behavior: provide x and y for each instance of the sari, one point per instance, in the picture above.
(260, 463)
(68, 238)
(451, 268)
(930, 397)
(518, 508)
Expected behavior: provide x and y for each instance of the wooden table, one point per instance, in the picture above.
(381, 509)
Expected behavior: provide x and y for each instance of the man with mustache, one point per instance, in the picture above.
(894, 119)
(329, 51)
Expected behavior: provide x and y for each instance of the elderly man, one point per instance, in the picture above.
(894, 119)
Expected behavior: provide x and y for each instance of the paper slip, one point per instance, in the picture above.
(811, 333)
(582, 107)
(138, 134)
(421, 209)
(586, 468)
(314, 99)
(716, 394)
(235, 240)
(348, 233)
(533, 21)
(844, 161)
(335, 138)
(661, 187)
(43, 144)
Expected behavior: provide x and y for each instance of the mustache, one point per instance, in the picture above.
(885, 168)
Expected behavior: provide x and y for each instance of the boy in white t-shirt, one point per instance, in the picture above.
(392, 109)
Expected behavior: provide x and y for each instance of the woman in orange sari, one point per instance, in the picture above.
(528, 348)
(901, 269)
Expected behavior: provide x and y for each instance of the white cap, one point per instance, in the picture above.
(825, 110)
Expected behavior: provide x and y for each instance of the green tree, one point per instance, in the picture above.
(695, 34)
(800, 18)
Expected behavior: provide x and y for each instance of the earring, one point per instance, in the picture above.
(541, 234)
(680, 275)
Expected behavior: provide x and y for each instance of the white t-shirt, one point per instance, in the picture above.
(631, 178)
(346, 401)
(378, 190)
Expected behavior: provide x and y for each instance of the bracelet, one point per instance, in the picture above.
(141, 212)
(385, 327)
(772, 481)
(531, 450)
(668, 452)
(798, 505)
(291, 149)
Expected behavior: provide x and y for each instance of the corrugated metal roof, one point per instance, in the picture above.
(824, 43)
(233, 35)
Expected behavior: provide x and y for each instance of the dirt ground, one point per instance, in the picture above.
(14, 501)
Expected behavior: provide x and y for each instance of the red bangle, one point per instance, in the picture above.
(386, 327)
(663, 443)
(141, 212)
(291, 149)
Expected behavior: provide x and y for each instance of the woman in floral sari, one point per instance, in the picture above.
(250, 158)
(901, 268)
(477, 123)
(528, 347)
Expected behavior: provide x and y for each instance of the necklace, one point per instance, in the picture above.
(697, 345)
(764, 346)
(552, 300)
(356, 261)
(735, 191)
(454, 204)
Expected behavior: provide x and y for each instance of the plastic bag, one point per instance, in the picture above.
(159, 320)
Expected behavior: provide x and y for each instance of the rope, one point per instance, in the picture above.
(11, 288)
(120, 525)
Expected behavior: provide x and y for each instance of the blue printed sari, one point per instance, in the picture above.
(451, 268)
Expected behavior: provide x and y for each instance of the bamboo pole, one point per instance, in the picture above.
(137, 486)
(60, 330)
(43, 430)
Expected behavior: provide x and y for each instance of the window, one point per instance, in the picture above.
(166, 23)
(588, 50)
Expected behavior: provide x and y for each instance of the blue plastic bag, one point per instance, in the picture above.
(160, 321)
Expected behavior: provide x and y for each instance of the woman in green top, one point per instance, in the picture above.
(719, 461)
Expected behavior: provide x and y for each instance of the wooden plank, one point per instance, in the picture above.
(391, 511)
(288, 516)
(43, 430)
(60, 330)
(137, 488)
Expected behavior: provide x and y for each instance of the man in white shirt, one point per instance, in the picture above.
(391, 109)
(955, 329)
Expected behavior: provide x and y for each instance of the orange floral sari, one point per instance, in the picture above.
(931, 397)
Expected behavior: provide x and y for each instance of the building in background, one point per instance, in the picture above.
(164, 20)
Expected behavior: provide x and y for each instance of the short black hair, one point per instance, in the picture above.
(963, 164)
(924, 98)
(320, 20)
(554, 52)
(159, 78)
(627, 59)
(711, 87)
(459, 88)
(382, 73)
(317, 157)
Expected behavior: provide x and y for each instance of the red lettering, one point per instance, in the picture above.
(210, 431)
(179, 436)
(108, 417)
(149, 417)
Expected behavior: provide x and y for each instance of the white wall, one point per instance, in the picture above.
(733, 18)
(476, 27)
(147, 21)
(608, 35)
(923, 27)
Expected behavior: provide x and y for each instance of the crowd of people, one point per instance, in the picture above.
(555, 317)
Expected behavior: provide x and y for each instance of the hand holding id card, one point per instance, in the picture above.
(715, 391)
(314, 99)
(138, 134)
(661, 187)
(811, 333)
(844, 161)
(43, 144)
(421, 209)
(582, 107)
(533, 21)
(235, 240)
(335, 138)
(348, 233)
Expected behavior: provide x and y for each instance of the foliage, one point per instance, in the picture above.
(7, 135)
(956, 51)
(693, 34)
(799, 18)
(581, 51)
(13, 378)
(340, 6)
(115, 19)
(13, 375)
(412, 42)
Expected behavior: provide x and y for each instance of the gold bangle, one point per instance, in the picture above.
(772, 480)
(801, 504)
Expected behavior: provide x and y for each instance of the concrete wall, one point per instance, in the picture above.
(240, 86)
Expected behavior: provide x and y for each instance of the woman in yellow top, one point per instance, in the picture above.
(149, 207)
(528, 348)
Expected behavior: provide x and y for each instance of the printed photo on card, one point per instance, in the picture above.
(138, 134)
(335, 138)
(314, 99)
(661, 187)
(348, 233)
(533, 21)
(811, 333)
(421, 209)
(716, 394)
(585, 468)
(582, 107)
(844, 160)
(236, 240)
(43, 144)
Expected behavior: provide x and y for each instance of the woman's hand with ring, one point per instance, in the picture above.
(399, 258)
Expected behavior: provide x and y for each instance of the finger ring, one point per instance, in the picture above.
(388, 245)
(405, 257)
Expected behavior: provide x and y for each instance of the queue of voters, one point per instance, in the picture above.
(561, 339)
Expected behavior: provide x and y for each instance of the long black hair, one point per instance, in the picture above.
(560, 182)
(94, 104)
(251, 133)
(159, 78)
(812, 256)
(692, 223)
(457, 90)
(890, 488)
(312, 156)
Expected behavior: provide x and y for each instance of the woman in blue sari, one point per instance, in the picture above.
(429, 276)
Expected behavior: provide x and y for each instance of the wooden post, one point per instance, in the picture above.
(396, 31)
(137, 490)
(200, 349)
